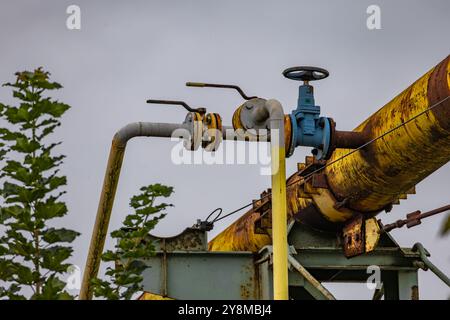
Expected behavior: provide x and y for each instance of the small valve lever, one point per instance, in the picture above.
(224, 86)
(180, 103)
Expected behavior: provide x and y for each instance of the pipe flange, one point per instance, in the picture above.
(194, 123)
(212, 135)
(325, 150)
(254, 119)
(292, 142)
(236, 120)
(287, 135)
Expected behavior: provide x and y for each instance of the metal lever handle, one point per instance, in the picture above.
(180, 103)
(224, 86)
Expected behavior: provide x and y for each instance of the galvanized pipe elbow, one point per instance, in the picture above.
(110, 182)
(268, 115)
(275, 109)
(146, 129)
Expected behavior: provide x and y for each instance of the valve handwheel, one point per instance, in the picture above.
(305, 73)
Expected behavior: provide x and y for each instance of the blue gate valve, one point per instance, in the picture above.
(309, 129)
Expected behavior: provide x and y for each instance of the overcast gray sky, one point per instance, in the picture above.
(128, 51)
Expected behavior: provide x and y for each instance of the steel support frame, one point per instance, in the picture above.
(191, 272)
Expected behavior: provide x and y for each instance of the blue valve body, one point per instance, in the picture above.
(308, 128)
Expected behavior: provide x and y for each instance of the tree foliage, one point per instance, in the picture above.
(33, 254)
(132, 245)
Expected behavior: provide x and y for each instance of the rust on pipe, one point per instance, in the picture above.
(378, 174)
(373, 178)
(349, 139)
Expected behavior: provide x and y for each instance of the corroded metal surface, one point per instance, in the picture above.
(191, 239)
(102, 220)
(378, 174)
(353, 234)
(241, 235)
(372, 179)
(152, 296)
(349, 139)
(372, 234)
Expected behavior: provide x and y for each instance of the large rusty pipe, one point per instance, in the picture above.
(375, 176)
(119, 143)
(371, 179)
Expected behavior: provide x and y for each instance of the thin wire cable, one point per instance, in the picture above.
(340, 158)
(218, 215)
(233, 212)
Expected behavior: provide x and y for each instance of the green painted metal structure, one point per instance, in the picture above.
(183, 268)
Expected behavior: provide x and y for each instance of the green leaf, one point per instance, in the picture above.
(9, 135)
(43, 162)
(24, 275)
(49, 210)
(53, 235)
(7, 269)
(109, 256)
(53, 258)
(46, 131)
(56, 182)
(53, 108)
(133, 246)
(25, 146)
(10, 189)
(12, 292)
(20, 246)
(53, 289)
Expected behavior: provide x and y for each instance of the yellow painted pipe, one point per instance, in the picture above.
(271, 112)
(389, 167)
(279, 226)
(371, 179)
(279, 220)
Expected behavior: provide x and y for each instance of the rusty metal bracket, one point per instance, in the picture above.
(264, 207)
(319, 180)
(360, 235)
(353, 235)
(311, 165)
